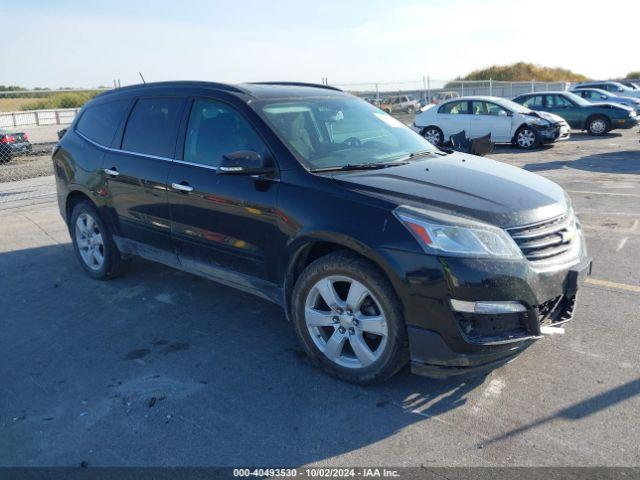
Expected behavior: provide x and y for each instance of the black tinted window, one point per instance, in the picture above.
(152, 126)
(99, 123)
(216, 129)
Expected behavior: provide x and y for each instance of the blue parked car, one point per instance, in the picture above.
(596, 95)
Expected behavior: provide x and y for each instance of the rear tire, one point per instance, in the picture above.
(359, 335)
(598, 125)
(93, 243)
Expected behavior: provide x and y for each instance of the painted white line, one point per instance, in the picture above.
(633, 228)
(621, 243)
(618, 214)
(605, 193)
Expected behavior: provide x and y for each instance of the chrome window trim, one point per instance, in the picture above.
(193, 164)
(118, 150)
(155, 157)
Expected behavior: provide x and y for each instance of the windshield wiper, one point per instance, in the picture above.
(360, 166)
(415, 155)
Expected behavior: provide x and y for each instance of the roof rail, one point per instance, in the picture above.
(195, 83)
(299, 84)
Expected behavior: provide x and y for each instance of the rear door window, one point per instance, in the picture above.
(152, 126)
(100, 122)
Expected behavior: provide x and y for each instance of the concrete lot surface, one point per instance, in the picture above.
(162, 368)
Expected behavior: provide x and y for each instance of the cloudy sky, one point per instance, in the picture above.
(89, 43)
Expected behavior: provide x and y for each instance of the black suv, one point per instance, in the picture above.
(380, 247)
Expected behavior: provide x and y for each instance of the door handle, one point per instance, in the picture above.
(112, 171)
(183, 187)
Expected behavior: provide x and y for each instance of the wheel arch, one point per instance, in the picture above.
(597, 114)
(306, 250)
(518, 128)
(74, 197)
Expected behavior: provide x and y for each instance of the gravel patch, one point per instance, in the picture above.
(21, 168)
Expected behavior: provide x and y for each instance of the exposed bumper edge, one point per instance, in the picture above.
(430, 356)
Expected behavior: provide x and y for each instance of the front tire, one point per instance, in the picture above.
(433, 135)
(348, 319)
(598, 125)
(93, 243)
(526, 138)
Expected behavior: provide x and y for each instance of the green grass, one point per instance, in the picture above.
(521, 71)
(59, 100)
(14, 104)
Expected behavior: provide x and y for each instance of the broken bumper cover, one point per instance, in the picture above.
(497, 337)
(432, 357)
(445, 340)
(554, 133)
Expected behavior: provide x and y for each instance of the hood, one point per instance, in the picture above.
(464, 185)
(551, 117)
(615, 106)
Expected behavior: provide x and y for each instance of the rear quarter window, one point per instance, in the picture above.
(100, 122)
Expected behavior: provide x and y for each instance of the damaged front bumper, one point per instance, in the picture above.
(455, 310)
(553, 133)
(493, 339)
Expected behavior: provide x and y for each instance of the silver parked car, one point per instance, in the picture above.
(595, 95)
(400, 104)
(611, 87)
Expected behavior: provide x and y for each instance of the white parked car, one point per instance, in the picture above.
(506, 121)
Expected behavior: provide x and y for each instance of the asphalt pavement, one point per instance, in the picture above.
(161, 368)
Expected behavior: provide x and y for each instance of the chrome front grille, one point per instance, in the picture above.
(544, 240)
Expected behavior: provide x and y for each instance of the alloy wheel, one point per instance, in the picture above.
(598, 126)
(526, 138)
(89, 241)
(346, 321)
(432, 135)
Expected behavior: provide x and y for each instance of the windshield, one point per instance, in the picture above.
(514, 107)
(576, 99)
(624, 87)
(335, 132)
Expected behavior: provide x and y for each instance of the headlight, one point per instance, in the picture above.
(442, 234)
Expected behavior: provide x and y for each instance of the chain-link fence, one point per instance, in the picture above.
(30, 119)
(428, 90)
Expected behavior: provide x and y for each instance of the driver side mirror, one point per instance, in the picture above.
(243, 162)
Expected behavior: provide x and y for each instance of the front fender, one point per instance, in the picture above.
(300, 246)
